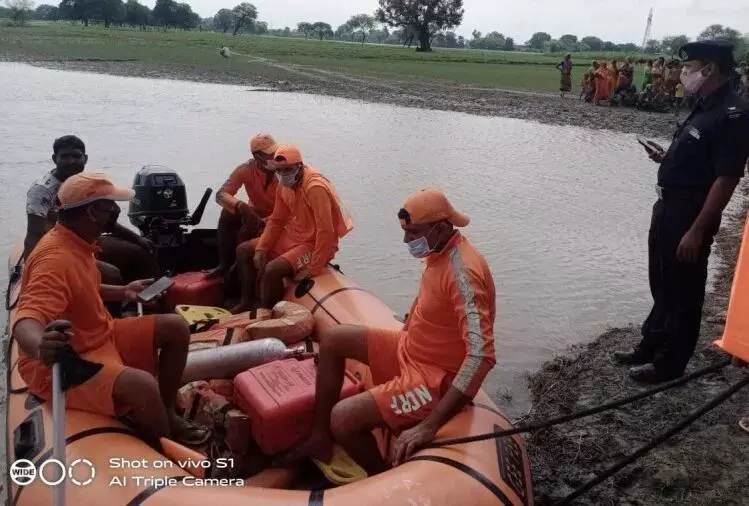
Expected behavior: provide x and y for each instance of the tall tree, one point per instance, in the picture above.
(79, 10)
(164, 13)
(260, 28)
(568, 40)
(425, 17)
(136, 14)
(20, 10)
(344, 32)
(223, 20)
(244, 14)
(185, 18)
(509, 44)
(364, 23)
(322, 30)
(305, 29)
(594, 43)
(111, 11)
(652, 46)
(721, 32)
(46, 12)
(538, 40)
(672, 43)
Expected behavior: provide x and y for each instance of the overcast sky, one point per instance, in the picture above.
(618, 21)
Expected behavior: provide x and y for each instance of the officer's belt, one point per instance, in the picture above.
(681, 193)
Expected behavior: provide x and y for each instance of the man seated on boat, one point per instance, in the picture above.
(426, 372)
(124, 255)
(300, 237)
(241, 221)
(61, 282)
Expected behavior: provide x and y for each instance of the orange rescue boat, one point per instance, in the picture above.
(490, 472)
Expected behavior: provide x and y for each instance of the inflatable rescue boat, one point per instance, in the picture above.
(109, 464)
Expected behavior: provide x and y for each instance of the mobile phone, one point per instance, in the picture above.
(155, 289)
(645, 144)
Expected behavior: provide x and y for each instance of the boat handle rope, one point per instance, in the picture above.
(714, 402)
(15, 275)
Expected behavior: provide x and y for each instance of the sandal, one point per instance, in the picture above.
(744, 424)
(189, 433)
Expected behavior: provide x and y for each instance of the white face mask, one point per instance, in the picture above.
(693, 80)
(419, 247)
(287, 179)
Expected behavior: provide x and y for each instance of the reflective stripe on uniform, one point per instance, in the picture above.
(475, 341)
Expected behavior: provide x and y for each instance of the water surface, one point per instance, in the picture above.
(561, 213)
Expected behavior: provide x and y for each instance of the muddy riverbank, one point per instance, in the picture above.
(268, 76)
(706, 464)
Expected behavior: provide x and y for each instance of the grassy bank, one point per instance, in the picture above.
(163, 50)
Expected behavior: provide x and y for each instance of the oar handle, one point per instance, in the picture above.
(58, 434)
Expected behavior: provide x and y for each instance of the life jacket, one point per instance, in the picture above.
(341, 217)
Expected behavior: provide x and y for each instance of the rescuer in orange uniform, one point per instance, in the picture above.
(426, 372)
(300, 237)
(241, 221)
(61, 304)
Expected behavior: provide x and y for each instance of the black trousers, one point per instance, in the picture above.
(672, 328)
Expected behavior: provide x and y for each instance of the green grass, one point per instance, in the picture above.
(492, 69)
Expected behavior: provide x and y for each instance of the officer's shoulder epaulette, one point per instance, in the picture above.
(733, 112)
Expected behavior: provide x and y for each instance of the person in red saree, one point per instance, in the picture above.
(601, 75)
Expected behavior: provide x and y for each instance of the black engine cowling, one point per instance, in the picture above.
(160, 196)
(159, 210)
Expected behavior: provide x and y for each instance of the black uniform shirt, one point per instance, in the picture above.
(713, 141)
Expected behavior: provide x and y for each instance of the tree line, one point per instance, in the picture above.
(426, 23)
(669, 45)
(165, 13)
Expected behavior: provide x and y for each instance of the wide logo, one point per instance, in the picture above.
(52, 472)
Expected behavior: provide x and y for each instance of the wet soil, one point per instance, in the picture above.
(706, 464)
(268, 76)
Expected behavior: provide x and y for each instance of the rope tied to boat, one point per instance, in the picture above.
(661, 438)
(582, 414)
(13, 278)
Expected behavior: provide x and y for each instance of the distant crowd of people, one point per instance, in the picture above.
(613, 83)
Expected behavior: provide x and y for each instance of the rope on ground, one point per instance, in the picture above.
(716, 401)
(582, 414)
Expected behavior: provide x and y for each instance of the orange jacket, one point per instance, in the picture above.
(260, 187)
(451, 322)
(310, 213)
(62, 282)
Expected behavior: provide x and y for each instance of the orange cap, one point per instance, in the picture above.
(85, 188)
(263, 143)
(430, 206)
(288, 154)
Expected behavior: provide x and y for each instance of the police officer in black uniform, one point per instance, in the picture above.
(696, 179)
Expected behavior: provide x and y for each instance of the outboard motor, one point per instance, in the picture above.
(159, 208)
